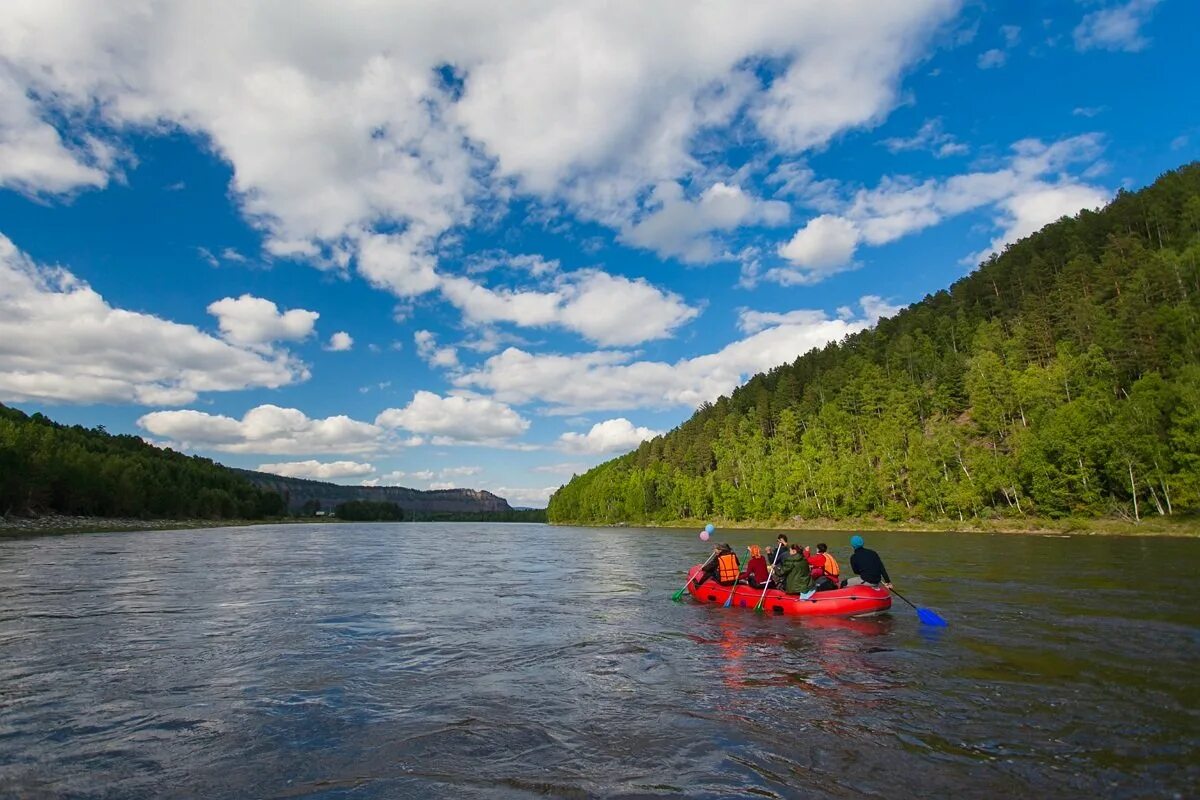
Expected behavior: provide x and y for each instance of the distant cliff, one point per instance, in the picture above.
(296, 492)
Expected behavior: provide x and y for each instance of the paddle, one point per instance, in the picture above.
(927, 616)
(679, 595)
(732, 589)
(767, 585)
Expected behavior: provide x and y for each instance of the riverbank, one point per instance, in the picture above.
(54, 524)
(1178, 525)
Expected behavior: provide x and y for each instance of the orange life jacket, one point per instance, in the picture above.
(831, 566)
(727, 568)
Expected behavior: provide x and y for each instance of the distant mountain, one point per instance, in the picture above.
(297, 492)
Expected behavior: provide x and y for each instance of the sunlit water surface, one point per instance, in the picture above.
(467, 660)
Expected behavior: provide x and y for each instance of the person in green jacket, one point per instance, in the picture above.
(794, 575)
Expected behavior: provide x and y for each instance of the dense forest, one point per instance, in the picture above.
(47, 467)
(1061, 378)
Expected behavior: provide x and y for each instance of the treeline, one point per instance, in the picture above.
(50, 468)
(1061, 378)
(369, 511)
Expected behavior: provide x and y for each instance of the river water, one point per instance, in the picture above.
(464, 660)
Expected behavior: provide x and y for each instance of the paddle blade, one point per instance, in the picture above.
(678, 595)
(930, 617)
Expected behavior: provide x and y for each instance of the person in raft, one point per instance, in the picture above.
(833, 570)
(724, 567)
(816, 567)
(867, 566)
(794, 575)
(755, 575)
(781, 546)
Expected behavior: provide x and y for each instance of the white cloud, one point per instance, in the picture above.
(991, 59)
(1088, 111)
(461, 472)
(607, 437)
(930, 137)
(673, 225)
(340, 342)
(61, 342)
(430, 353)
(606, 309)
(1011, 34)
(567, 468)
(456, 419)
(899, 206)
(823, 246)
(253, 320)
(317, 470)
(607, 380)
(348, 150)
(264, 429)
(1115, 28)
(1026, 211)
(33, 156)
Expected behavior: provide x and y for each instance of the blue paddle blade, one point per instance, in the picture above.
(931, 618)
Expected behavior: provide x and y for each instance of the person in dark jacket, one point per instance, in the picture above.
(867, 566)
(794, 575)
(781, 547)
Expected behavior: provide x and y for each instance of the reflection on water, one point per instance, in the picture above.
(457, 660)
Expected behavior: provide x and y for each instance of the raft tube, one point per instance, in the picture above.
(853, 601)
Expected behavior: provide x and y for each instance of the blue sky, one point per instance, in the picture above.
(461, 244)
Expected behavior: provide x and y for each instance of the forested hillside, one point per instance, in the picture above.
(1061, 378)
(47, 467)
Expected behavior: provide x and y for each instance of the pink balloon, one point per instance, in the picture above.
(704, 536)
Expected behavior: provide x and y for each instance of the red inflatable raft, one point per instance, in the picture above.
(852, 601)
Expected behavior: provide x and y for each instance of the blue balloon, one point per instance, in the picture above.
(709, 528)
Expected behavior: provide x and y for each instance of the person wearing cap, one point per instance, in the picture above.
(755, 575)
(867, 566)
(794, 575)
(724, 567)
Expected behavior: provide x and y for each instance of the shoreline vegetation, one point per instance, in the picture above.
(1178, 526)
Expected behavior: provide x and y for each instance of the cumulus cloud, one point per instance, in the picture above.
(1115, 28)
(266, 429)
(610, 380)
(430, 353)
(1032, 180)
(455, 419)
(61, 342)
(1028, 210)
(603, 308)
(34, 158)
(607, 437)
(349, 149)
(823, 246)
(674, 226)
(317, 470)
(340, 342)
(254, 320)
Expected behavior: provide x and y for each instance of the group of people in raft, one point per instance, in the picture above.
(795, 569)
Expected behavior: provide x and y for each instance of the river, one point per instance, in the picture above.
(466, 660)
